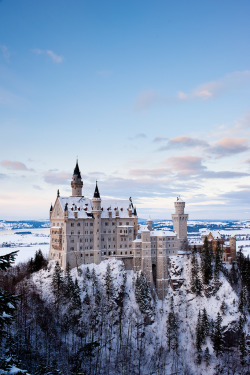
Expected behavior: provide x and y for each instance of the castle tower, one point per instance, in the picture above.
(150, 224)
(232, 244)
(76, 182)
(96, 211)
(180, 219)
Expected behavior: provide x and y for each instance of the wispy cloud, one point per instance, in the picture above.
(184, 141)
(229, 146)
(160, 139)
(210, 89)
(54, 57)
(14, 165)
(57, 178)
(5, 52)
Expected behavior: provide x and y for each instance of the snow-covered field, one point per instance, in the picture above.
(26, 244)
(36, 235)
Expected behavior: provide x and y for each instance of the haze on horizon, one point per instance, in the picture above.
(152, 97)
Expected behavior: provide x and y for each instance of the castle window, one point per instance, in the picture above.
(109, 252)
(71, 248)
(78, 224)
(79, 232)
(91, 224)
(104, 253)
(127, 223)
(86, 224)
(72, 224)
(72, 241)
(81, 255)
(113, 231)
(114, 252)
(113, 223)
(80, 239)
(104, 246)
(130, 252)
(126, 252)
(106, 224)
(120, 223)
(121, 252)
(120, 246)
(72, 232)
(120, 230)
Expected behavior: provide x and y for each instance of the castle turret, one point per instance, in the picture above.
(97, 211)
(180, 222)
(150, 224)
(76, 182)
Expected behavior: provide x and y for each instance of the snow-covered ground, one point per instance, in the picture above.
(26, 244)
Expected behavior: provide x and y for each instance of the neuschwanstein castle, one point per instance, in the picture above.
(85, 230)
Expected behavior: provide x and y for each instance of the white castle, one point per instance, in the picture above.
(85, 231)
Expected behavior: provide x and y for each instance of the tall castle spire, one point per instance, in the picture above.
(76, 182)
(96, 193)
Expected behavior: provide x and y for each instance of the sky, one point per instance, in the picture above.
(152, 97)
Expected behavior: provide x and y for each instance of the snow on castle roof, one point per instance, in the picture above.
(83, 206)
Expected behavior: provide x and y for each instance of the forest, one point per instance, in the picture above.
(101, 319)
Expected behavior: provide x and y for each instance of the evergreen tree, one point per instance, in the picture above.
(199, 333)
(76, 299)
(109, 286)
(233, 274)
(172, 328)
(87, 274)
(143, 294)
(207, 356)
(242, 347)
(69, 286)
(218, 260)
(8, 302)
(217, 336)
(57, 283)
(196, 285)
(94, 281)
(206, 261)
(205, 324)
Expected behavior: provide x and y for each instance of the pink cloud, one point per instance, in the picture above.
(14, 165)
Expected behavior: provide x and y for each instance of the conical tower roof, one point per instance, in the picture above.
(77, 170)
(96, 193)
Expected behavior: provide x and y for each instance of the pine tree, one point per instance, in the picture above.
(207, 356)
(94, 281)
(199, 335)
(217, 336)
(242, 347)
(143, 294)
(87, 274)
(172, 328)
(57, 283)
(218, 260)
(109, 283)
(205, 323)
(196, 285)
(76, 299)
(68, 289)
(206, 262)
(8, 302)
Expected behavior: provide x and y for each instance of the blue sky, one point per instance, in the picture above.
(153, 98)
